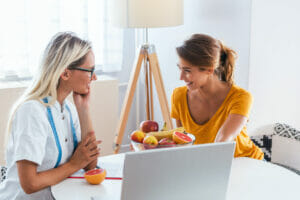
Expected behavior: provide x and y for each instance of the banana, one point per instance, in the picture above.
(165, 134)
(164, 128)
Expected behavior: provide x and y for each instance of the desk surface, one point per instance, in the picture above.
(250, 179)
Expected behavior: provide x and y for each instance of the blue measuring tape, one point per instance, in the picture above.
(51, 121)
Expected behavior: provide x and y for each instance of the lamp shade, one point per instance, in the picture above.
(147, 13)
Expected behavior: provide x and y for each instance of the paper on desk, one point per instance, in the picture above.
(113, 170)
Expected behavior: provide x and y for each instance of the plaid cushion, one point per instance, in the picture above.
(286, 131)
(3, 173)
(264, 141)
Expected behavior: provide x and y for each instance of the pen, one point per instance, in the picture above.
(107, 178)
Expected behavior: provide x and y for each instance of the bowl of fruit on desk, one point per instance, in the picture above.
(148, 136)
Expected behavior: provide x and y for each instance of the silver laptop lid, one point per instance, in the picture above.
(192, 172)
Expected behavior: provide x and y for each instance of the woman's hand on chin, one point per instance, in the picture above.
(81, 101)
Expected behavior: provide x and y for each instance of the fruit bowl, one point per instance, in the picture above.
(139, 146)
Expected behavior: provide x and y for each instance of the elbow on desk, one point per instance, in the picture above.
(30, 188)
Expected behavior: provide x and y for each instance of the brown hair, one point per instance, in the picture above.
(204, 51)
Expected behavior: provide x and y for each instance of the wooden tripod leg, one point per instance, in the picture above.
(128, 101)
(151, 93)
(147, 71)
(160, 89)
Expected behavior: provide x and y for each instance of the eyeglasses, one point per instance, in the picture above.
(85, 70)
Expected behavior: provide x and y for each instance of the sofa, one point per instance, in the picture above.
(280, 143)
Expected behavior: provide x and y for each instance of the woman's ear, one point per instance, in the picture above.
(65, 75)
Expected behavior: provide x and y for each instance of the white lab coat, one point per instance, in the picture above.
(32, 139)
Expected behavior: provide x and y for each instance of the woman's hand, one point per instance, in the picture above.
(32, 181)
(86, 152)
(81, 101)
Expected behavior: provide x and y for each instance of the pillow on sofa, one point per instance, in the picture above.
(2, 173)
(286, 131)
(263, 136)
(264, 142)
(285, 151)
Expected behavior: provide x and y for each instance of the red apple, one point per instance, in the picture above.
(149, 126)
(150, 142)
(137, 136)
(166, 142)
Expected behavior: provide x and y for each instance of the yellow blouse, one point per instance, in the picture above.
(237, 101)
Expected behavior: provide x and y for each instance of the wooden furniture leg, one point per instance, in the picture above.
(148, 54)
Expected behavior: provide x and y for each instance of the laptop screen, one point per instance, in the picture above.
(191, 172)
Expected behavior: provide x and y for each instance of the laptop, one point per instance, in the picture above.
(190, 172)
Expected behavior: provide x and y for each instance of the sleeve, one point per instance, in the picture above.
(30, 132)
(242, 104)
(174, 106)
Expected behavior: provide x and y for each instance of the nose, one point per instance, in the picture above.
(181, 75)
(94, 77)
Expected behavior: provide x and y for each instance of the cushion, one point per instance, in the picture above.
(263, 137)
(267, 129)
(3, 173)
(285, 150)
(286, 131)
(264, 142)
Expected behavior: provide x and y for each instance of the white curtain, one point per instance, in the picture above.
(28, 25)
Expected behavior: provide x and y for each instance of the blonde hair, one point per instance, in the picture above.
(205, 51)
(63, 51)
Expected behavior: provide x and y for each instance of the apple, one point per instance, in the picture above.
(149, 126)
(137, 136)
(150, 142)
(166, 142)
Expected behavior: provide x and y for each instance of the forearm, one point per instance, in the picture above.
(231, 128)
(85, 122)
(56, 175)
(86, 127)
(33, 181)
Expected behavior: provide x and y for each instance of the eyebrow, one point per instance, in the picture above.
(92, 67)
(183, 67)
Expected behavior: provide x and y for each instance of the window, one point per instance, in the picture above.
(28, 25)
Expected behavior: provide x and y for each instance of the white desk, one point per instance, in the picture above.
(250, 180)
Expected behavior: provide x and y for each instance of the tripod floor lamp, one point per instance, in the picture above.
(146, 14)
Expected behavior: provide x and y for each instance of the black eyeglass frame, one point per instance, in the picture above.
(92, 70)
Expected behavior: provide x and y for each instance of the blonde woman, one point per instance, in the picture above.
(211, 106)
(50, 138)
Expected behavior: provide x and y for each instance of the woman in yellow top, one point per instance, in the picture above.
(211, 106)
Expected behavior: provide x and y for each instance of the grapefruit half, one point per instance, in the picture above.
(95, 176)
(181, 138)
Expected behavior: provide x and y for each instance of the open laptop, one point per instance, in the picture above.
(191, 172)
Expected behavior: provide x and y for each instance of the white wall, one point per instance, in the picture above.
(228, 20)
(274, 62)
(8, 96)
(129, 46)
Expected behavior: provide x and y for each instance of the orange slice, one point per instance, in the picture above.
(181, 138)
(95, 176)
